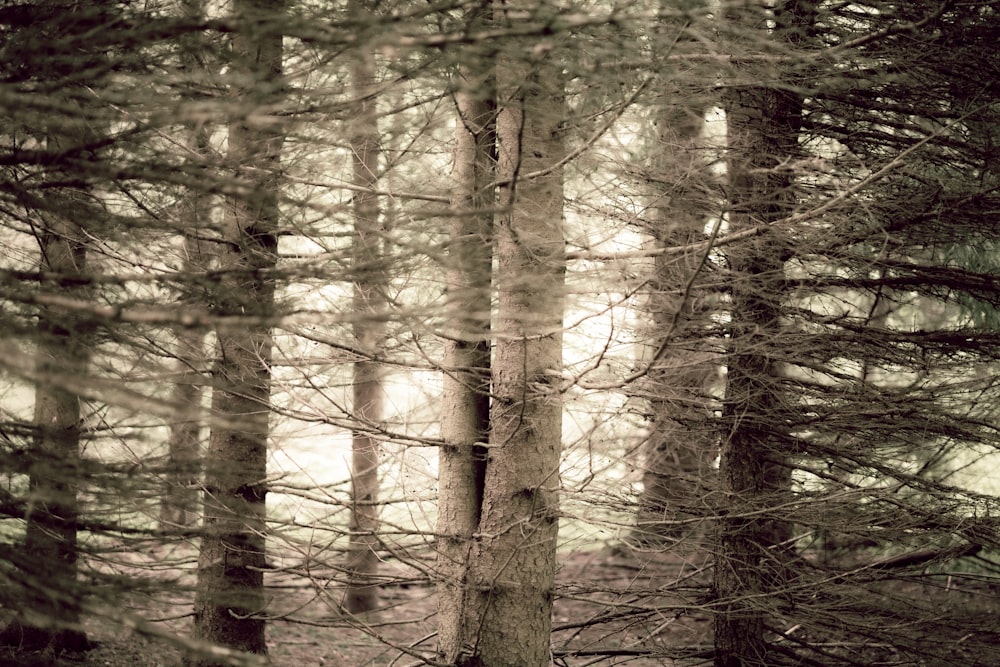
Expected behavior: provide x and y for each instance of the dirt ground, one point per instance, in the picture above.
(593, 622)
(612, 609)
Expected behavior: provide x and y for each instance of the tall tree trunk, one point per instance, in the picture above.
(465, 403)
(65, 218)
(683, 438)
(50, 615)
(179, 508)
(763, 124)
(513, 559)
(230, 598)
(368, 272)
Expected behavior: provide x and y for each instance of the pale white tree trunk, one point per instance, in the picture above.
(179, 507)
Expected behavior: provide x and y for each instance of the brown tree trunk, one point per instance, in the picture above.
(683, 440)
(179, 507)
(230, 597)
(64, 218)
(369, 274)
(513, 558)
(50, 615)
(763, 125)
(465, 402)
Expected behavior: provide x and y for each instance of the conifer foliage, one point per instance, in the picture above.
(660, 331)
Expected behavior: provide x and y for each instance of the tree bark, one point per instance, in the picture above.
(465, 403)
(683, 441)
(513, 558)
(230, 597)
(369, 275)
(179, 508)
(65, 218)
(763, 124)
(50, 616)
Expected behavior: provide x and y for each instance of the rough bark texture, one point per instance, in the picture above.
(763, 126)
(465, 400)
(230, 597)
(513, 560)
(369, 274)
(180, 508)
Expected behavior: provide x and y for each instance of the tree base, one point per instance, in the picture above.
(26, 637)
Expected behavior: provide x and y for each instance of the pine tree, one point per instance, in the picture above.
(763, 124)
(685, 365)
(465, 403)
(513, 561)
(368, 269)
(230, 596)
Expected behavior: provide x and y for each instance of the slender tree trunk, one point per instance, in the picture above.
(465, 403)
(683, 438)
(230, 598)
(763, 124)
(513, 559)
(179, 508)
(368, 271)
(50, 615)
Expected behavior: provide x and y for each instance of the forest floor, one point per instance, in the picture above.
(612, 609)
(593, 623)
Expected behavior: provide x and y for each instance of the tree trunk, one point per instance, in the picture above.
(230, 597)
(50, 612)
(513, 559)
(465, 403)
(683, 440)
(179, 508)
(763, 126)
(369, 274)
(50, 615)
